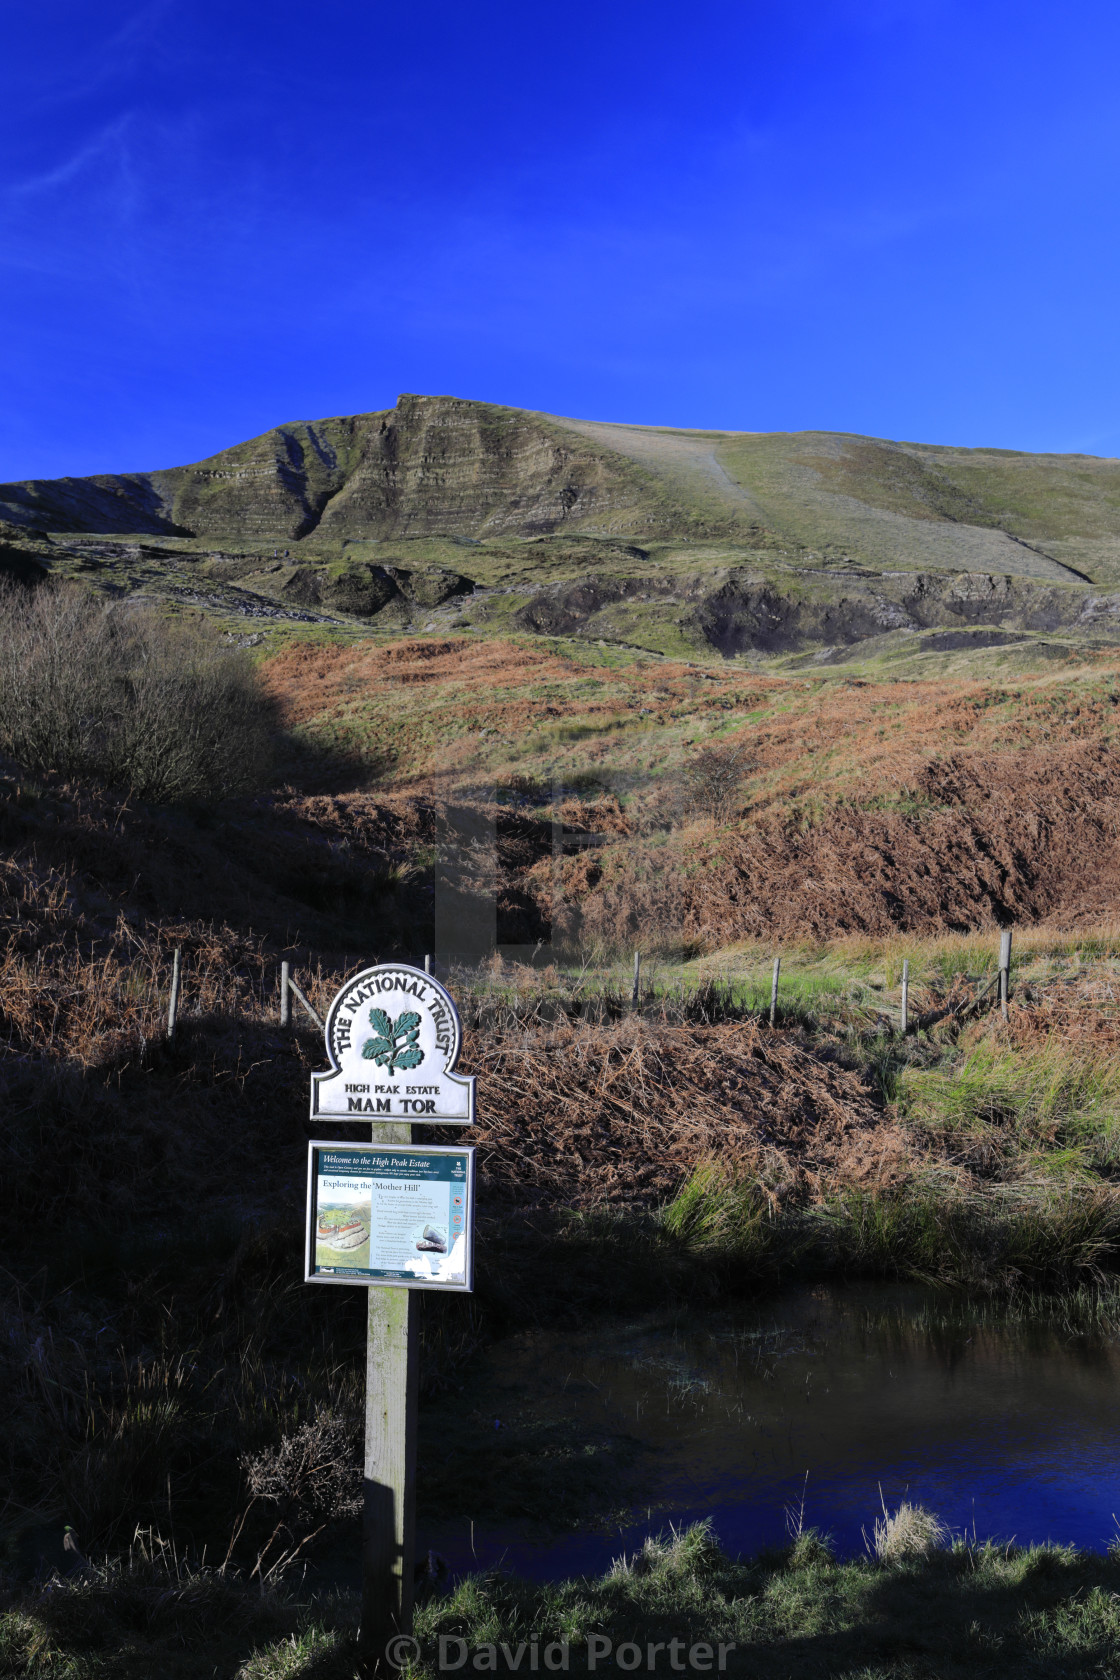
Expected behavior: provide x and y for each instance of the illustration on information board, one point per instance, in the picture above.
(434, 1260)
(343, 1226)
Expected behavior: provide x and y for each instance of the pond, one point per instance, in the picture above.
(564, 1449)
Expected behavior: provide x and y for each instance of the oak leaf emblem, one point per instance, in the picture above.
(386, 1050)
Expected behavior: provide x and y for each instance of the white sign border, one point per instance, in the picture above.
(469, 1081)
(467, 1149)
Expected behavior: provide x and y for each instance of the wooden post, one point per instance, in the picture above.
(1004, 969)
(774, 989)
(392, 1388)
(428, 969)
(637, 978)
(299, 996)
(285, 996)
(173, 1005)
(905, 996)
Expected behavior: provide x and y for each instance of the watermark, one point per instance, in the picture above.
(654, 1656)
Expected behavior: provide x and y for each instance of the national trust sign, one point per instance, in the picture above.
(393, 1039)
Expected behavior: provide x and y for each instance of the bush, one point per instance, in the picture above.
(714, 776)
(119, 694)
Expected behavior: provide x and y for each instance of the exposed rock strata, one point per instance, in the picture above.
(737, 611)
(430, 466)
(363, 590)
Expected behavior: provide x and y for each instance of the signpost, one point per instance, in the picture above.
(393, 1038)
(394, 1217)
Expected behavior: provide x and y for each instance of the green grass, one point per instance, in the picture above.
(919, 1611)
(723, 1235)
(1002, 1238)
(152, 1614)
(1056, 1106)
(970, 1609)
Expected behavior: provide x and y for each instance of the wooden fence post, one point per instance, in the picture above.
(392, 1390)
(285, 996)
(173, 1005)
(428, 968)
(300, 998)
(1004, 969)
(774, 989)
(905, 996)
(637, 979)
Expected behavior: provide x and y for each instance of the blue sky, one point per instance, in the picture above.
(896, 217)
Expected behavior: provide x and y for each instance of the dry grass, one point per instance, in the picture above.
(908, 1534)
(870, 808)
(586, 1116)
(93, 1000)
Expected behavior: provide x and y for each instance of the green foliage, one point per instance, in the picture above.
(973, 1611)
(152, 1613)
(717, 1214)
(929, 1607)
(1058, 1102)
(1004, 1238)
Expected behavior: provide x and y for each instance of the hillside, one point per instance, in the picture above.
(441, 466)
(534, 752)
(620, 802)
(442, 515)
(431, 466)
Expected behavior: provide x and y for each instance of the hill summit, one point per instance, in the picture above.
(440, 466)
(443, 515)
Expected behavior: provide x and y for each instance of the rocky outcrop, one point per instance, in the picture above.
(739, 611)
(432, 466)
(363, 590)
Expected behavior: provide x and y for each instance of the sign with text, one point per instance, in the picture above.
(393, 1040)
(390, 1214)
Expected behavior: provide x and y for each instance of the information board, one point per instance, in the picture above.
(390, 1214)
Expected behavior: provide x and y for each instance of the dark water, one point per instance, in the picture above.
(837, 1398)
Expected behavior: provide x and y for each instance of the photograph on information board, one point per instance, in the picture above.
(390, 1214)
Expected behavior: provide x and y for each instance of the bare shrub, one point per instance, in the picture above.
(714, 775)
(314, 1476)
(126, 697)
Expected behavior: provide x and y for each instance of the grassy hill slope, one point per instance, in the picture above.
(442, 466)
(442, 515)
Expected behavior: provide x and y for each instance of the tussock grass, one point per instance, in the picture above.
(1004, 1238)
(1049, 1105)
(925, 1605)
(908, 1532)
(924, 1609)
(152, 1612)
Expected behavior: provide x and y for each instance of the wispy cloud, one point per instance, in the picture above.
(109, 143)
(110, 59)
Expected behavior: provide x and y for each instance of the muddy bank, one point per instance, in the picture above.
(747, 612)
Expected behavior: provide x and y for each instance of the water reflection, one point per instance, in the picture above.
(1007, 1430)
